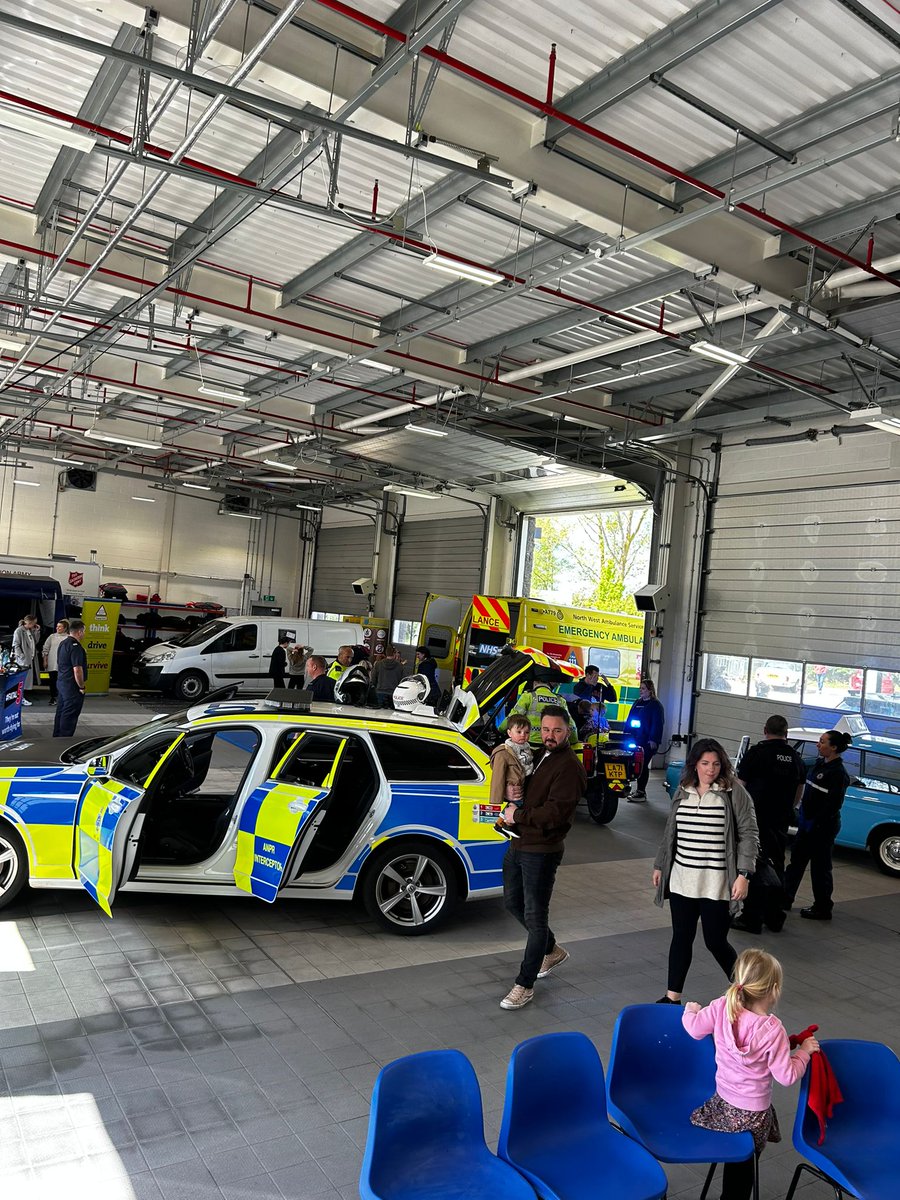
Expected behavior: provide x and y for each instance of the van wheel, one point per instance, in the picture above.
(190, 685)
(885, 849)
(13, 864)
(410, 888)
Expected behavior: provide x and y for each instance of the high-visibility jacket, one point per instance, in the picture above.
(335, 671)
(532, 702)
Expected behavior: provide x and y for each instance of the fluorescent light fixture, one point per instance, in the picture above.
(310, 507)
(273, 462)
(122, 439)
(144, 499)
(270, 446)
(719, 354)
(889, 425)
(431, 430)
(70, 462)
(197, 487)
(9, 343)
(450, 266)
(866, 414)
(224, 393)
(377, 366)
(51, 131)
(25, 483)
(245, 516)
(399, 489)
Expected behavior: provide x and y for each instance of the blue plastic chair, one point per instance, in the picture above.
(556, 1130)
(658, 1074)
(426, 1135)
(859, 1154)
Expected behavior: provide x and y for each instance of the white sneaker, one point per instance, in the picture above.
(555, 958)
(26, 704)
(517, 997)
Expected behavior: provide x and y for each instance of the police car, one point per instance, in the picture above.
(234, 797)
(870, 815)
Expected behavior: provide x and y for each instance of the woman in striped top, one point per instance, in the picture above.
(705, 860)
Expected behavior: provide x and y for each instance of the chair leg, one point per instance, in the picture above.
(709, 1179)
(755, 1177)
(838, 1190)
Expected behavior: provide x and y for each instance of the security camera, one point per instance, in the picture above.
(363, 587)
(652, 597)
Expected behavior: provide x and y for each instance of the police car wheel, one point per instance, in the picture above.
(13, 864)
(410, 888)
(885, 848)
(190, 685)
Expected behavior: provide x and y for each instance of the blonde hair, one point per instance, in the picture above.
(756, 975)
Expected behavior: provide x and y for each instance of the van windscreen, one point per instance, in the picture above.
(204, 632)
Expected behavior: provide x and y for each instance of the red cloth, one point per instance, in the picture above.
(824, 1092)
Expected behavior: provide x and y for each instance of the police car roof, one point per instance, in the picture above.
(861, 741)
(371, 716)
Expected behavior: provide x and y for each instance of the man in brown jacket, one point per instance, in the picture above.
(554, 788)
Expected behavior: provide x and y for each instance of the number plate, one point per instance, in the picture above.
(614, 770)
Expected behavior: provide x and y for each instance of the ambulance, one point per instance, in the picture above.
(465, 634)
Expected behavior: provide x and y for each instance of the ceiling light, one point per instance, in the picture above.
(273, 462)
(376, 366)
(719, 354)
(224, 393)
(9, 343)
(431, 430)
(451, 266)
(270, 446)
(866, 414)
(197, 487)
(310, 507)
(70, 462)
(144, 499)
(51, 131)
(25, 483)
(122, 439)
(889, 425)
(399, 489)
(245, 516)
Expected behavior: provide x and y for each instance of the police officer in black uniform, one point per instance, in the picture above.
(71, 661)
(773, 773)
(820, 822)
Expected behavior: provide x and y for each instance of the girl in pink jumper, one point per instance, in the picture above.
(752, 1049)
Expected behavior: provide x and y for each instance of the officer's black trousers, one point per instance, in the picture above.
(68, 710)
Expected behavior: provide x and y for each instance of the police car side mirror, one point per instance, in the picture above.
(98, 768)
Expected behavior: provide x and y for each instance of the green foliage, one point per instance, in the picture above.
(597, 559)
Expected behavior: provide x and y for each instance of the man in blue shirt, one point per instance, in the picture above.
(72, 668)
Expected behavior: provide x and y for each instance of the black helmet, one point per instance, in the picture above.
(353, 687)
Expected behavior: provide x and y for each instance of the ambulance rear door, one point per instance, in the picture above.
(441, 620)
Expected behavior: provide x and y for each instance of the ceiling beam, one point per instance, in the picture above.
(206, 342)
(841, 221)
(696, 30)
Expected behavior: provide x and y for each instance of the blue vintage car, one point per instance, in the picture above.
(870, 817)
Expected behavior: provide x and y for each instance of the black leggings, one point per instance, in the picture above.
(715, 917)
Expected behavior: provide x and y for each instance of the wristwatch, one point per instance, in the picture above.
(746, 874)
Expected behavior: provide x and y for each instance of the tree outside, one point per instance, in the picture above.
(590, 559)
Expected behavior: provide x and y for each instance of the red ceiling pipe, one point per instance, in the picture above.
(375, 200)
(870, 249)
(549, 110)
(551, 72)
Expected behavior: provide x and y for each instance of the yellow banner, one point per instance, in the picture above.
(101, 620)
(581, 627)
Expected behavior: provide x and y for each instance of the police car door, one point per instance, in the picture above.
(279, 819)
(109, 820)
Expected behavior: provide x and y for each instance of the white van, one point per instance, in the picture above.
(233, 650)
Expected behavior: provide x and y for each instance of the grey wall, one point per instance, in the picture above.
(437, 556)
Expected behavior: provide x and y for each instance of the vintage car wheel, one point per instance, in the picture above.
(190, 685)
(410, 887)
(885, 849)
(13, 864)
(602, 803)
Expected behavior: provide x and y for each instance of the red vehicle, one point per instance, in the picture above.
(212, 607)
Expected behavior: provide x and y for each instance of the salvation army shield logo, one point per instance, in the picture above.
(76, 579)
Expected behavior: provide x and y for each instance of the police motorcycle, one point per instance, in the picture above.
(481, 707)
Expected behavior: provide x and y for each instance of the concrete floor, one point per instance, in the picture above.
(200, 1050)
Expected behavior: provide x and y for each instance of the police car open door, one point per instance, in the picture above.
(280, 818)
(107, 832)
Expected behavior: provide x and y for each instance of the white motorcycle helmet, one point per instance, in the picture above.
(410, 693)
(353, 687)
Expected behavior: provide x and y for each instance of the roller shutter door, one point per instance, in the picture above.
(804, 567)
(343, 553)
(437, 556)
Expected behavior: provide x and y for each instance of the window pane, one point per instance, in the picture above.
(725, 673)
(311, 763)
(775, 678)
(881, 772)
(411, 759)
(406, 633)
(608, 661)
(882, 695)
(832, 687)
